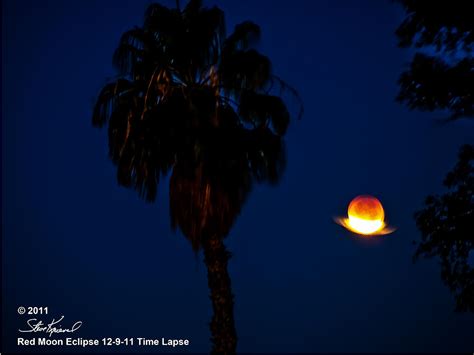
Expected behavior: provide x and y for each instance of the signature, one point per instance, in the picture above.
(52, 328)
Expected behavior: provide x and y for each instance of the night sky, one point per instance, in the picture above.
(73, 240)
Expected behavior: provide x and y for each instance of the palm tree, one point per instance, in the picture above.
(200, 105)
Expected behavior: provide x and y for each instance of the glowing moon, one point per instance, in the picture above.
(365, 216)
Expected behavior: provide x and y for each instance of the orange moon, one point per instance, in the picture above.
(365, 216)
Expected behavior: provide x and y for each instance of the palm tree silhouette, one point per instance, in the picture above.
(200, 105)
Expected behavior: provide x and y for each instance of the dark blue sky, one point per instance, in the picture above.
(73, 240)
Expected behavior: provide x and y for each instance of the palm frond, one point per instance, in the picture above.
(283, 87)
(134, 53)
(244, 36)
(192, 7)
(107, 100)
(206, 33)
(162, 20)
(266, 155)
(262, 109)
(244, 70)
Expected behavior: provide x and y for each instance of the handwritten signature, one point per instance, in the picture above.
(52, 328)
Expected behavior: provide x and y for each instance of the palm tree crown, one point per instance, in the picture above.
(191, 100)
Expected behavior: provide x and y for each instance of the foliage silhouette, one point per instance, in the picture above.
(431, 84)
(200, 105)
(447, 228)
(442, 23)
(444, 78)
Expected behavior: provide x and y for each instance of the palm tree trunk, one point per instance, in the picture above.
(224, 337)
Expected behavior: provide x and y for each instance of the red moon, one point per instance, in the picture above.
(367, 208)
(365, 217)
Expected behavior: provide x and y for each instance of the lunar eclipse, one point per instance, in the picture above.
(365, 216)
